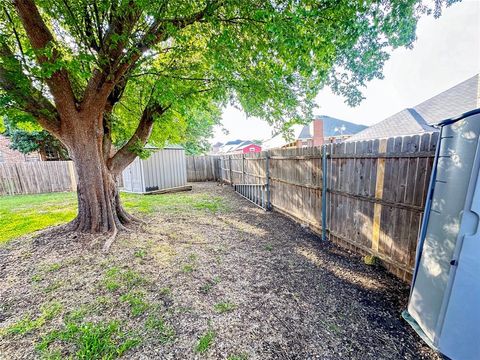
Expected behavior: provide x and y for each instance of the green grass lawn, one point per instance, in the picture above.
(24, 214)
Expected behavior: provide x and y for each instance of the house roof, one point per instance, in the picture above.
(419, 119)
(234, 142)
(330, 127)
(302, 132)
(241, 145)
(234, 145)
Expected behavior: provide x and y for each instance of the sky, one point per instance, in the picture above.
(447, 52)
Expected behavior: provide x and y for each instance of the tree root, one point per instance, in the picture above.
(110, 240)
(122, 224)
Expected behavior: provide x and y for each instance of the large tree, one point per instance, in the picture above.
(99, 73)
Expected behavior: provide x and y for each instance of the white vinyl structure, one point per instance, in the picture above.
(164, 169)
(444, 304)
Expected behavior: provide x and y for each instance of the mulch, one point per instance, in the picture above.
(293, 296)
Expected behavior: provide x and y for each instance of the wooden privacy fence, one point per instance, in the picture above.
(37, 177)
(375, 191)
(203, 168)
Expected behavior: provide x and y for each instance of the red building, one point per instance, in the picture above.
(238, 147)
(249, 148)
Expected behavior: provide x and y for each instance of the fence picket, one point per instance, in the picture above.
(369, 217)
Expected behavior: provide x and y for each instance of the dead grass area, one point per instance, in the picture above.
(199, 281)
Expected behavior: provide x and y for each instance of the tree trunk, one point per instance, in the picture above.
(99, 207)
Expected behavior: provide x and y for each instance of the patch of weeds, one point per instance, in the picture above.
(184, 309)
(223, 307)
(90, 340)
(213, 204)
(206, 288)
(27, 324)
(115, 278)
(111, 284)
(334, 328)
(132, 278)
(241, 356)
(140, 253)
(165, 332)
(103, 300)
(53, 286)
(54, 267)
(205, 341)
(77, 315)
(209, 285)
(188, 268)
(165, 291)
(36, 278)
(269, 247)
(136, 300)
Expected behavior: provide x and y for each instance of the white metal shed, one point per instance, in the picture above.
(164, 169)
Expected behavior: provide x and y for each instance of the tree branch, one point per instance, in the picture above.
(25, 95)
(104, 80)
(113, 98)
(126, 154)
(40, 38)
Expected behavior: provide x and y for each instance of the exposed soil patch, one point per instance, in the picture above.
(217, 279)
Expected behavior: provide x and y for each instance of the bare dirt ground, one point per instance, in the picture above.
(215, 280)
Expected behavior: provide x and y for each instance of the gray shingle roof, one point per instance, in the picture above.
(305, 133)
(329, 126)
(452, 102)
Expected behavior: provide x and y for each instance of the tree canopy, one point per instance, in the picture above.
(193, 57)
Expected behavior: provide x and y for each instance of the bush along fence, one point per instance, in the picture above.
(374, 192)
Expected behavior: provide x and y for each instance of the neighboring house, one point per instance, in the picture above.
(229, 146)
(216, 147)
(10, 156)
(247, 147)
(238, 147)
(324, 129)
(419, 120)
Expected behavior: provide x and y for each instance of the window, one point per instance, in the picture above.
(31, 157)
(252, 149)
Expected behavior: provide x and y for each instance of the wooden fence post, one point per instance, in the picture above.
(377, 210)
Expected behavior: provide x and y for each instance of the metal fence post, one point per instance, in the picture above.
(230, 165)
(243, 168)
(267, 176)
(324, 192)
